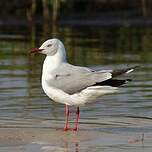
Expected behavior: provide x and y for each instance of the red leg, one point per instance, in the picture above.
(77, 119)
(67, 117)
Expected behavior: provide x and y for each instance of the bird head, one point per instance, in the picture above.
(49, 47)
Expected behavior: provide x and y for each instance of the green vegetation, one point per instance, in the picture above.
(56, 10)
(80, 24)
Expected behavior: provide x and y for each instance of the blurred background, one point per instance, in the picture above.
(129, 21)
(96, 33)
(113, 25)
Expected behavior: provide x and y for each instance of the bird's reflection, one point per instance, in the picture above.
(67, 146)
(77, 147)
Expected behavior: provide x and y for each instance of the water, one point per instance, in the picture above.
(23, 103)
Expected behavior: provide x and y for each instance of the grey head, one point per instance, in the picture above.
(49, 47)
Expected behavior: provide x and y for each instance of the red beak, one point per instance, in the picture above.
(36, 50)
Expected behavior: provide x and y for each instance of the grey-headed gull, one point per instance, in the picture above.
(74, 85)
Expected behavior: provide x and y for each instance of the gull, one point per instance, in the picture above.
(74, 85)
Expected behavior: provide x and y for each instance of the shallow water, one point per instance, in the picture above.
(24, 105)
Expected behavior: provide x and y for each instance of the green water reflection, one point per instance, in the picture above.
(84, 44)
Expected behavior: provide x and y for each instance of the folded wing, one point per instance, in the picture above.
(73, 79)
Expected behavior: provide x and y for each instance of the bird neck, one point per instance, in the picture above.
(52, 62)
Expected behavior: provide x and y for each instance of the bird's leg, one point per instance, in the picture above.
(67, 118)
(77, 119)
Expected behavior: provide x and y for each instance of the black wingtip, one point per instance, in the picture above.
(135, 67)
(113, 82)
(128, 70)
(118, 72)
(128, 80)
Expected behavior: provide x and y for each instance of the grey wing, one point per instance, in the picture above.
(72, 79)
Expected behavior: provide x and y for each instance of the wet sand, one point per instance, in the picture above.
(47, 140)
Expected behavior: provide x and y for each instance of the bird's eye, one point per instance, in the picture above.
(49, 45)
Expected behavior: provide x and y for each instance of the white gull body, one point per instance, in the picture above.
(74, 85)
(69, 84)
